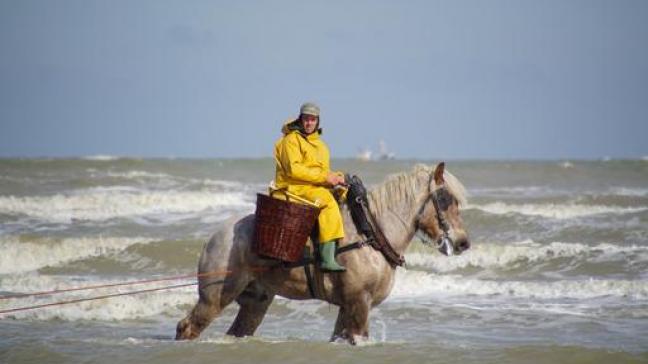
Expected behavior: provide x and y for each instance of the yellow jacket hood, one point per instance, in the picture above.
(291, 125)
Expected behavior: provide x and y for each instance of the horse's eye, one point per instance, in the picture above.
(445, 199)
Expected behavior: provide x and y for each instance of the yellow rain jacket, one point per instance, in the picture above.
(302, 164)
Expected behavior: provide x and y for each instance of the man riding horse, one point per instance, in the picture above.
(424, 201)
(302, 161)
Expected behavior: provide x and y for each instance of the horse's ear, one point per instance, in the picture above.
(438, 174)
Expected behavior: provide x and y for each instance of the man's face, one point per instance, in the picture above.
(309, 123)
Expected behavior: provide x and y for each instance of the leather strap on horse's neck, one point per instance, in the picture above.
(366, 223)
(379, 241)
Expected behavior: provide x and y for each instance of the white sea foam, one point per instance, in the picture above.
(126, 307)
(629, 191)
(158, 180)
(20, 256)
(540, 191)
(107, 309)
(555, 211)
(411, 286)
(228, 184)
(135, 174)
(417, 284)
(101, 157)
(500, 256)
(140, 175)
(517, 191)
(105, 203)
(32, 282)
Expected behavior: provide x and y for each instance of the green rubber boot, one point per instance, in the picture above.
(327, 252)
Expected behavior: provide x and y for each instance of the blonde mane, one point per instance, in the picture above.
(412, 187)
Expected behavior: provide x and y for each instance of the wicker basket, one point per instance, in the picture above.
(282, 228)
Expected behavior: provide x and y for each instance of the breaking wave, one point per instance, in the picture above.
(134, 174)
(418, 284)
(158, 178)
(516, 191)
(128, 307)
(519, 192)
(554, 211)
(99, 204)
(18, 256)
(410, 286)
(629, 191)
(101, 157)
(503, 256)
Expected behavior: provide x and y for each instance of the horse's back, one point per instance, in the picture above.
(229, 245)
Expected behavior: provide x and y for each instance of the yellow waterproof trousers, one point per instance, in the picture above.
(330, 222)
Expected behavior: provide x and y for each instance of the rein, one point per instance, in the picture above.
(379, 241)
(366, 224)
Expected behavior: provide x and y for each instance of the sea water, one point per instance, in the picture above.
(557, 272)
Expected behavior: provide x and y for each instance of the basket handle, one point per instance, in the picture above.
(285, 195)
(273, 188)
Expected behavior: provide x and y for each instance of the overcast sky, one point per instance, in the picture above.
(434, 79)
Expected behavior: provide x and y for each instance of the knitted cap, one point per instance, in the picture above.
(309, 108)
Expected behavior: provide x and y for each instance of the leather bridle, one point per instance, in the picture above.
(444, 243)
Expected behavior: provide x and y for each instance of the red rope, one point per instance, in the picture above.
(52, 292)
(130, 283)
(95, 298)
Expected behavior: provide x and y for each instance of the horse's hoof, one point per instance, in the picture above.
(184, 331)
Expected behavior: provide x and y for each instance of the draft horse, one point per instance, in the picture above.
(425, 201)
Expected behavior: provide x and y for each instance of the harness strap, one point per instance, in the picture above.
(299, 263)
(309, 280)
(308, 259)
(444, 243)
(307, 271)
(365, 221)
(443, 224)
(346, 248)
(380, 241)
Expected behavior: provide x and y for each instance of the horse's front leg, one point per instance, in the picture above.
(253, 305)
(214, 296)
(353, 322)
(339, 326)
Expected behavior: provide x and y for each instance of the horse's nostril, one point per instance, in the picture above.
(464, 245)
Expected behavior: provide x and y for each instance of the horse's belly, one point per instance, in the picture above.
(293, 284)
(285, 284)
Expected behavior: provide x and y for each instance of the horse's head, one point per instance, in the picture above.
(439, 219)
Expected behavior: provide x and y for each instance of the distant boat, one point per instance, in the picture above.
(567, 164)
(364, 155)
(384, 154)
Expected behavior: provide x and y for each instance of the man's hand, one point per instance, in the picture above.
(335, 179)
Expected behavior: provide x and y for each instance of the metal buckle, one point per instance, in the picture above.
(444, 245)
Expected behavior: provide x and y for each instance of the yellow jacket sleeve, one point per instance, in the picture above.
(295, 167)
